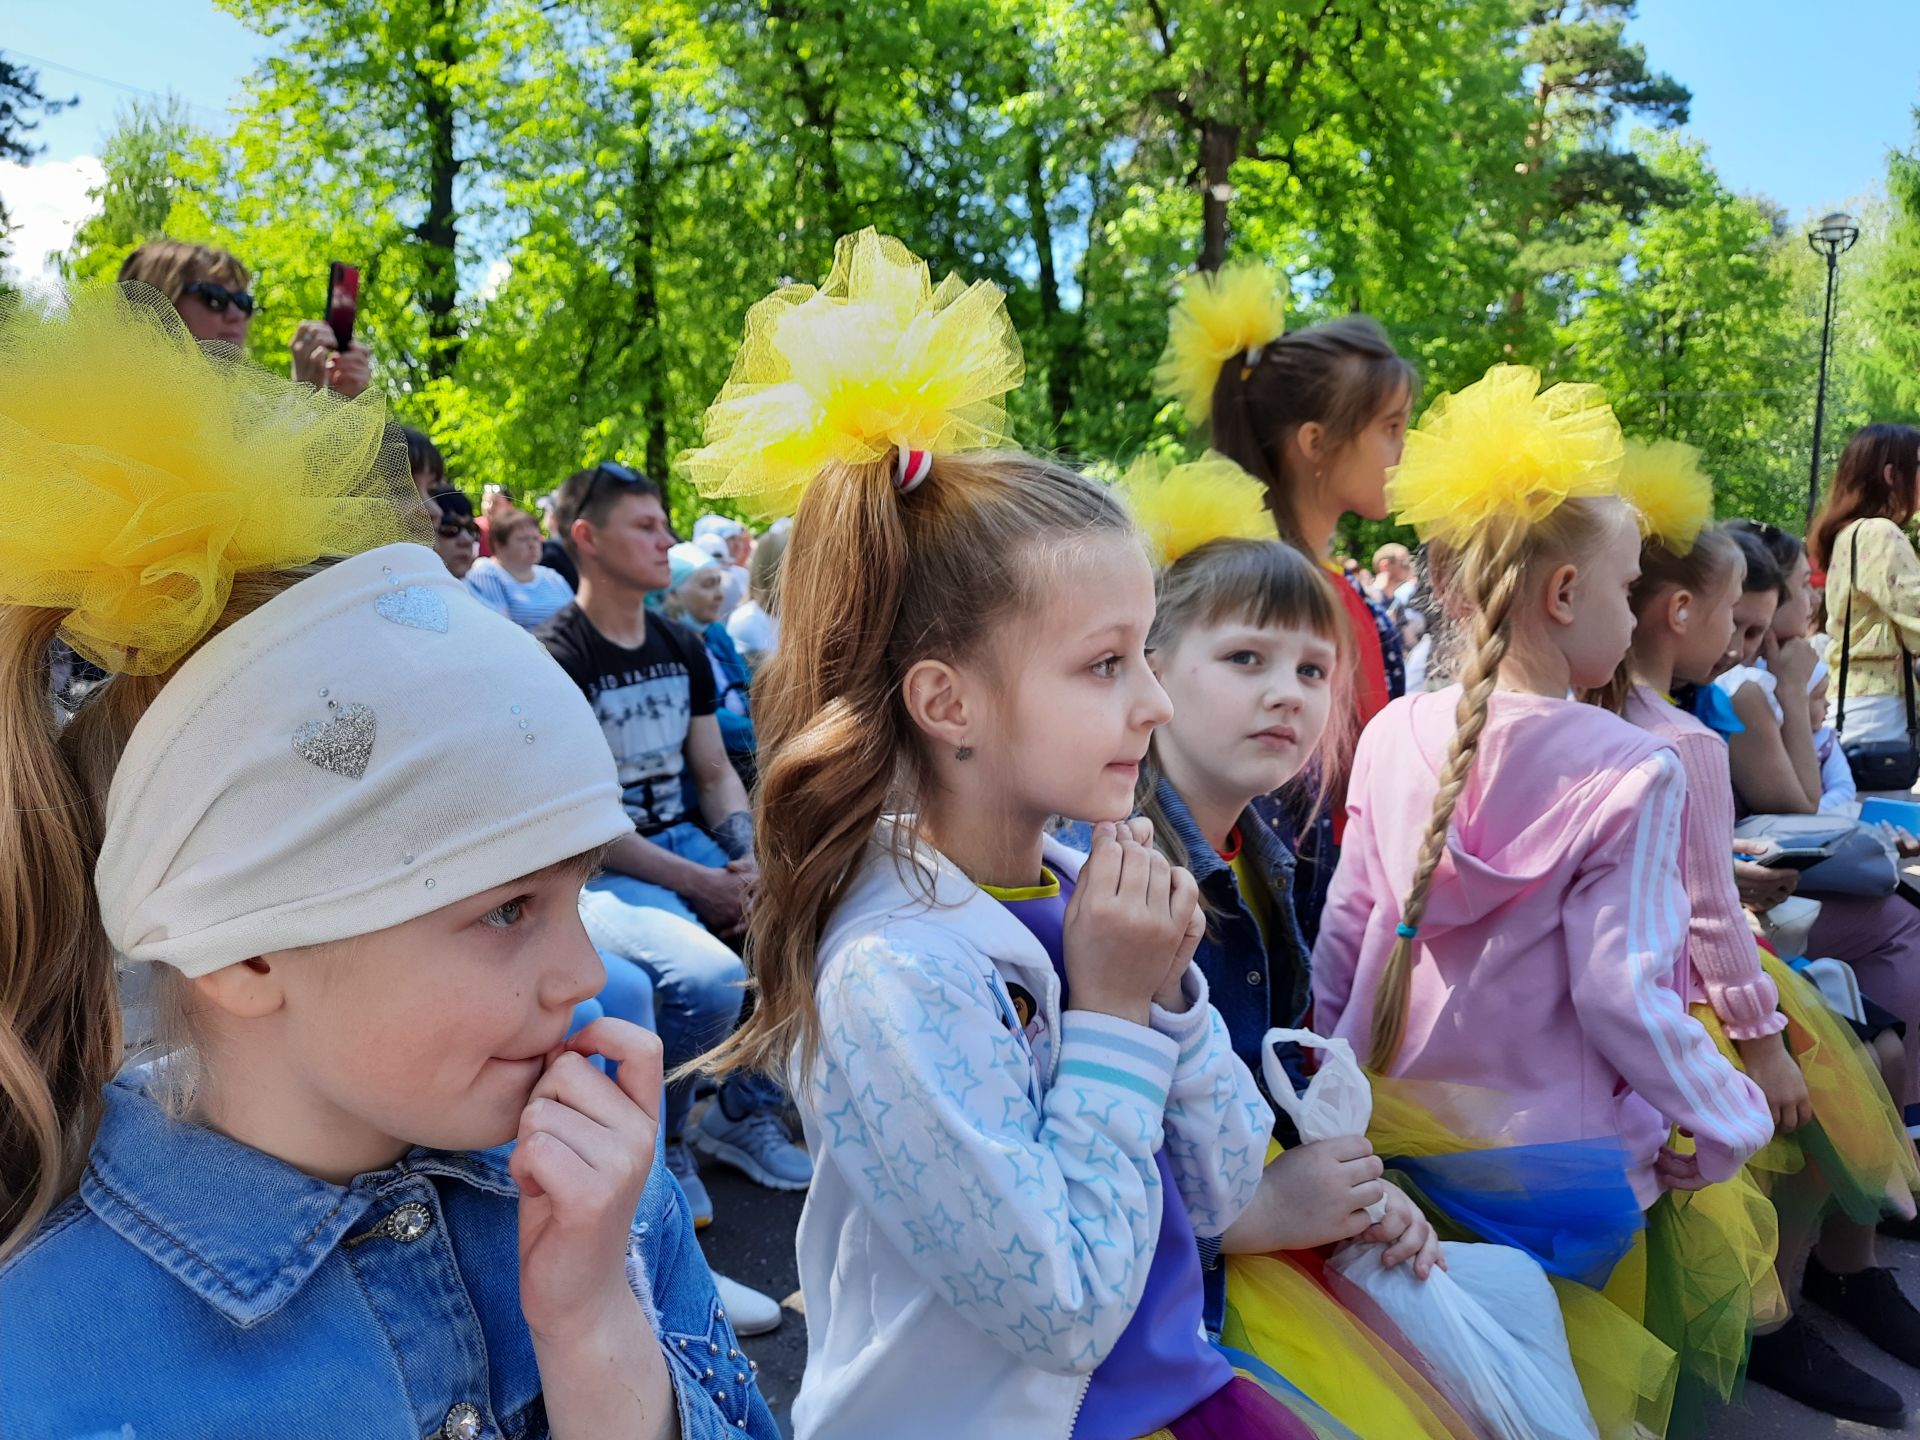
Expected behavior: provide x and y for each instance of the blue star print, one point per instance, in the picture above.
(1019, 1254)
(846, 1124)
(958, 1077)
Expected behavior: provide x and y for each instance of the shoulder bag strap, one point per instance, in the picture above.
(1846, 636)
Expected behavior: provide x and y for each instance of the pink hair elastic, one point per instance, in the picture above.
(912, 467)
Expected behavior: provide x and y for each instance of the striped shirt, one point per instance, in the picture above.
(530, 604)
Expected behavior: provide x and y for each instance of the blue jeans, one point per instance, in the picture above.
(698, 983)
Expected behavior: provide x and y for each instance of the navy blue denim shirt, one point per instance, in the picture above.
(195, 1286)
(1255, 980)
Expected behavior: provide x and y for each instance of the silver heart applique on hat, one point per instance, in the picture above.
(342, 744)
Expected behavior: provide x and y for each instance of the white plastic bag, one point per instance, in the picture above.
(1338, 1100)
(1490, 1327)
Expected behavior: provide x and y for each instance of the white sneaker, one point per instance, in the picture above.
(751, 1312)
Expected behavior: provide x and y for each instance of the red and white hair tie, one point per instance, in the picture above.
(910, 468)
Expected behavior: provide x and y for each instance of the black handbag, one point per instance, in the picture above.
(1876, 764)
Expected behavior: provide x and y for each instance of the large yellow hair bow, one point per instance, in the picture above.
(1504, 449)
(145, 471)
(1232, 311)
(1662, 479)
(1179, 508)
(876, 360)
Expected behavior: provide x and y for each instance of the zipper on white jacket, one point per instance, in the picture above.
(1073, 1419)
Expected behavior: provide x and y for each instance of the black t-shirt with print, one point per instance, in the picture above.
(646, 700)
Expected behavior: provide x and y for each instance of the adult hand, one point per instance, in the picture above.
(1771, 1066)
(317, 361)
(718, 896)
(586, 1143)
(1762, 887)
(1407, 1234)
(1126, 925)
(1902, 839)
(1792, 668)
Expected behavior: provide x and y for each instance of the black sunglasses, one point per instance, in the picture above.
(447, 529)
(218, 297)
(607, 470)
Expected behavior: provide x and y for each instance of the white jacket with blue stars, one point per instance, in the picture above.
(985, 1199)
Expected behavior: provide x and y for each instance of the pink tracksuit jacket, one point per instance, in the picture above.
(1550, 963)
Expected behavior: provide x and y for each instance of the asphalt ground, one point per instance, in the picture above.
(751, 1239)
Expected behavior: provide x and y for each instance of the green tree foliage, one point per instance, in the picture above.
(563, 208)
(145, 178)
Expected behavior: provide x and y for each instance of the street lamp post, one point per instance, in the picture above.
(1832, 237)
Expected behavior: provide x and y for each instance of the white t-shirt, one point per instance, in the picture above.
(754, 630)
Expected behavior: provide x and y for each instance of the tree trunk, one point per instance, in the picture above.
(643, 273)
(439, 232)
(1053, 322)
(1219, 145)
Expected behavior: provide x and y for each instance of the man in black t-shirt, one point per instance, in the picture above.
(678, 884)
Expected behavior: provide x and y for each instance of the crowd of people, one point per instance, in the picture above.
(1224, 989)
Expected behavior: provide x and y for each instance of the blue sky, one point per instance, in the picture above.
(1798, 100)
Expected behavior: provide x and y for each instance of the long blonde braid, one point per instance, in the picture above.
(1500, 558)
(1487, 573)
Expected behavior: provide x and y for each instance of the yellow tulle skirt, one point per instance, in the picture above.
(1340, 1352)
(1627, 1372)
(1857, 1142)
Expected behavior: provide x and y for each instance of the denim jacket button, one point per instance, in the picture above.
(463, 1423)
(408, 1223)
(1253, 977)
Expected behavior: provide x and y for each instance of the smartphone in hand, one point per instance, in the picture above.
(343, 302)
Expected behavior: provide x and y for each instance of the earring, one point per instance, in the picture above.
(965, 752)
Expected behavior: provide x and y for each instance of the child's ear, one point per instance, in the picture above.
(938, 701)
(1680, 605)
(245, 990)
(1561, 585)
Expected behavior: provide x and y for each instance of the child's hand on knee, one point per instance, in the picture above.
(1407, 1234)
(585, 1147)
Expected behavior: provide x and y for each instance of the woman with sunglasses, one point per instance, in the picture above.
(208, 286)
(456, 535)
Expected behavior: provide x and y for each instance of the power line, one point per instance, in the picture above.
(115, 84)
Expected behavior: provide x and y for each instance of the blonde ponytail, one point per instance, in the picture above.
(873, 582)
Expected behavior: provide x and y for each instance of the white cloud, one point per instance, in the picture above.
(46, 202)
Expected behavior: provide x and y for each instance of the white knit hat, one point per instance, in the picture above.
(367, 747)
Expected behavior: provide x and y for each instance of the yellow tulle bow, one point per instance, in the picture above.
(1229, 312)
(1662, 479)
(147, 471)
(1504, 449)
(1179, 508)
(876, 359)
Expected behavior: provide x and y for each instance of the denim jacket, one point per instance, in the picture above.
(195, 1286)
(1256, 980)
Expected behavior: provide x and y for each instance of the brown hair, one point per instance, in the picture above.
(1861, 490)
(1486, 575)
(1265, 583)
(1714, 556)
(503, 527)
(763, 573)
(873, 583)
(1341, 374)
(169, 266)
(60, 1037)
(581, 498)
